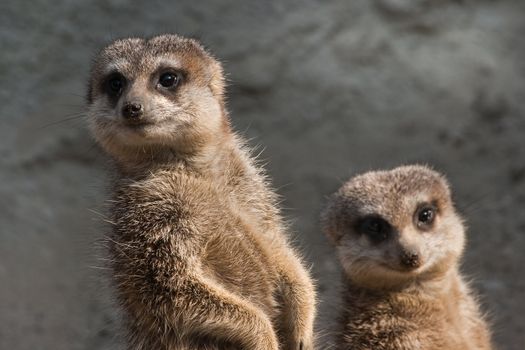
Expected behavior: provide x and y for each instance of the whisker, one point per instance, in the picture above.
(74, 117)
(99, 268)
(474, 204)
(98, 213)
(76, 95)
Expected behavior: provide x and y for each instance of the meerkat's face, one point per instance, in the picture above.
(146, 94)
(392, 227)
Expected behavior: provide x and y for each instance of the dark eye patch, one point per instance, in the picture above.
(114, 84)
(375, 228)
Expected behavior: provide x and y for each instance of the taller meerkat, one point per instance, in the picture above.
(399, 240)
(200, 254)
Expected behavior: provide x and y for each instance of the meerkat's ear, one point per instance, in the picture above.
(329, 222)
(217, 83)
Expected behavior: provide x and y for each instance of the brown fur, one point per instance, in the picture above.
(391, 303)
(200, 254)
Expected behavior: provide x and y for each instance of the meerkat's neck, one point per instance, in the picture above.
(207, 158)
(441, 284)
(225, 159)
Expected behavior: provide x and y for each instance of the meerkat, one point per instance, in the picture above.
(200, 254)
(399, 240)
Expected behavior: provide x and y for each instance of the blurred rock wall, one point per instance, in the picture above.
(327, 88)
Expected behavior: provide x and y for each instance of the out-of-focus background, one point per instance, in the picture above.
(328, 88)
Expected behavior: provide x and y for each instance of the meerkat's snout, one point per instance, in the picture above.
(399, 251)
(134, 108)
(410, 259)
(133, 111)
(136, 98)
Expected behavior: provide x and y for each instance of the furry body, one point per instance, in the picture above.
(201, 258)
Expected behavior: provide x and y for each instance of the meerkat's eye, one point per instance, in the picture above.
(375, 228)
(425, 216)
(115, 84)
(168, 80)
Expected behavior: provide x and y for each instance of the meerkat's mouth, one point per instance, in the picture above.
(137, 125)
(401, 270)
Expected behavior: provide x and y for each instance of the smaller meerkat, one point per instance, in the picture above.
(199, 252)
(399, 240)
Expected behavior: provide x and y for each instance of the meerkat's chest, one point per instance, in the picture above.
(406, 323)
(242, 264)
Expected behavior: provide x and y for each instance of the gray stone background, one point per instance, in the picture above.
(329, 88)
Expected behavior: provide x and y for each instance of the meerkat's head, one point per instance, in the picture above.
(145, 96)
(394, 227)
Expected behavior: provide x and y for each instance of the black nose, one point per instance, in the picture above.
(132, 110)
(410, 260)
